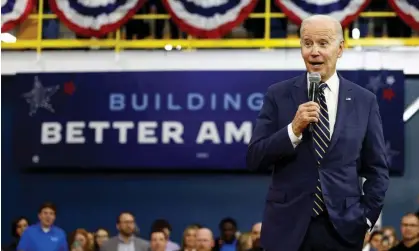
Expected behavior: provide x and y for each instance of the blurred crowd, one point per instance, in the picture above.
(251, 28)
(45, 236)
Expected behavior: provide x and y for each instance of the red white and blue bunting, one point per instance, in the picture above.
(209, 18)
(14, 12)
(95, 18)
(346, 11)
(408, 11)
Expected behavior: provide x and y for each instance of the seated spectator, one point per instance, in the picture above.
(91, 237)
(367, 245)
(244, 242)
(375, 240)
(158, 241)
(409, 228)
(204, 240)
(79, 240)
(126, 239)
(256, 245)
(389, 233)
(189, 238)
(18, 226)
(227, 241)
(101, 236)
(164, 226)
(44, 236)
(256, 229)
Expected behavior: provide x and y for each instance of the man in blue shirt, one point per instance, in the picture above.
(44, 236)
(227, 241)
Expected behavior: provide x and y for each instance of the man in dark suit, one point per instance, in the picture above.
(315, 199)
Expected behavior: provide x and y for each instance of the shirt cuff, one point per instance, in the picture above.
(369, 223)
(294, 139)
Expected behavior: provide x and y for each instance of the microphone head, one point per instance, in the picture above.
(314, 77)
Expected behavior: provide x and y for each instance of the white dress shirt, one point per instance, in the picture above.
(331, 94)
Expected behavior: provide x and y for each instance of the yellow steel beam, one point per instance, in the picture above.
(191, 43)
(40, 26)
(267, 23)
(194, 43)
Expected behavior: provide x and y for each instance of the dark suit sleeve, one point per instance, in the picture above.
(268, 143)
(374, 166)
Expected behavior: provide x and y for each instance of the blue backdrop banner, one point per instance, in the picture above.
(171, 120)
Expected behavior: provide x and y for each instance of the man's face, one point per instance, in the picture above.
(256, 229)
(47, 217)
(126, 225)
(409, 227)
(190, 238)
(158, 241)
(320, 47)
(376, 241)
(228, 231)
(204, 240)
(166, 231)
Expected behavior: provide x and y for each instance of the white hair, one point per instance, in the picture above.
(338, 26)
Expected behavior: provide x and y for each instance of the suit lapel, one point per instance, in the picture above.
(345, 107)
(300, 90)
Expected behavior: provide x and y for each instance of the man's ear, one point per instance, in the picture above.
(341, 47)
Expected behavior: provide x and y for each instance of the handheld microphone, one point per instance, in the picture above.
(314, 78)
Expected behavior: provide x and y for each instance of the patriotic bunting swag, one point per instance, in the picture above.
(408, 10)
(14, 12)
(209, 18)
(345, 11)
(95, 18)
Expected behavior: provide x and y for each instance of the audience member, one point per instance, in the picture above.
(158, 241)
(375, 239)
(189, 238)
(44, 236)
(91, 238)
(389, 233)
(367, 245)
(164, 226)
(18, 226)
(244, 242)
(256, 245)
(256, 229)
(227, 240)
(409, 228)
(101, 236)
(79, 240)
(204, 240)
(125, 240)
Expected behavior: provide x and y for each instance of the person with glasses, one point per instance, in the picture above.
(126, 239)
(409, 227)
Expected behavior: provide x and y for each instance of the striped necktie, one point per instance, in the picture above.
(321, 138)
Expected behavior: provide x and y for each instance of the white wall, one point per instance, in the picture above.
(91, 61)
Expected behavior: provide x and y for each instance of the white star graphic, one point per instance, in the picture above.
(39, 97)
(390, 80)
(390, 153)
(375, 84)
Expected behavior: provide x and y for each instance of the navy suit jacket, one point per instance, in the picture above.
(357, 149)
